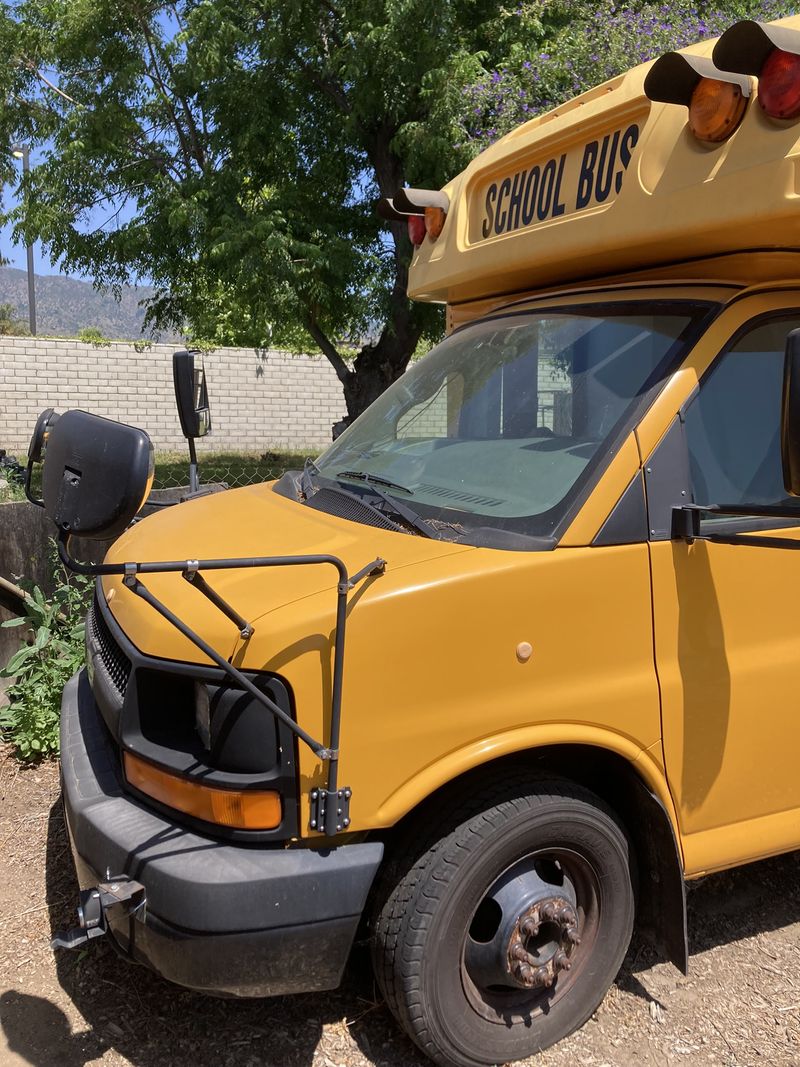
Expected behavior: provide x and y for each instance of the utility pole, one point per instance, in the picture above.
(23, 152)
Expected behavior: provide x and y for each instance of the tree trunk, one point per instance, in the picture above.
(377, 366)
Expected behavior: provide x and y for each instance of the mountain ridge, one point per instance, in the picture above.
(65, 306)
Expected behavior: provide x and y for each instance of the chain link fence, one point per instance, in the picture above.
(234, 469)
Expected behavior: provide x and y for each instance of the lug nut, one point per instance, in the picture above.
(548, 911)
(573, 937)
(529, 928)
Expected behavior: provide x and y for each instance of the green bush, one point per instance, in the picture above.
(94, 336)
(41, 668)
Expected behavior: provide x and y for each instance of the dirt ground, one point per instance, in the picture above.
(739, 1006)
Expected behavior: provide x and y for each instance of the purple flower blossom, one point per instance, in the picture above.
(593, 50)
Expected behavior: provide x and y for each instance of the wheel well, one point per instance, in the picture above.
(661, 904)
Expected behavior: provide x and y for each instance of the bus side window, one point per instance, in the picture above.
(733, 424)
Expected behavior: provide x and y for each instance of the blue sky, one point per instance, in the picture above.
(14, 253)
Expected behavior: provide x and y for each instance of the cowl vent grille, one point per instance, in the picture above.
(346, 506)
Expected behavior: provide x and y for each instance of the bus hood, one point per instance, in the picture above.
(239, 523)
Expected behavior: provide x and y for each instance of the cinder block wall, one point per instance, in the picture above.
(259, 399)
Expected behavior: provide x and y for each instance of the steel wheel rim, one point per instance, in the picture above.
(518, 892)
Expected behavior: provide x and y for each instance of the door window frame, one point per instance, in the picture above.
(668, 472)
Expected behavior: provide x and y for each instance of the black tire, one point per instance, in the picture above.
(432, 959)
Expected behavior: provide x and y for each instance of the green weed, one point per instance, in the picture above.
(52, 653)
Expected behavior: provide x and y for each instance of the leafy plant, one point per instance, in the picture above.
(41, 668)
(92, 335)
(9, 322)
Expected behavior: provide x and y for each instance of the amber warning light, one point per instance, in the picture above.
(716, 100)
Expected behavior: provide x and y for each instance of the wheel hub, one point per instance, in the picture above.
(524, 932)
(542, 942)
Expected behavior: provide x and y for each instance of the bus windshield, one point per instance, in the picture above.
(502, 423)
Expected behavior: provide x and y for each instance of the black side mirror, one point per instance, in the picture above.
(790, 415)
(96, 476)
(46, 421)
(44, 424)
(191, 394)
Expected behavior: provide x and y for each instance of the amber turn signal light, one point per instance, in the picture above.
(716, 99)
(241, 809)
(715, 109)
(435, 218)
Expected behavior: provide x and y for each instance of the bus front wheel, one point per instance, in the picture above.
(502, 936)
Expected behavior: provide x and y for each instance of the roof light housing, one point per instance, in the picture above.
(716, 99)
(772, 54)
(425, 211)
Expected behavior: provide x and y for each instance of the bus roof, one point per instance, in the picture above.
(611, 183)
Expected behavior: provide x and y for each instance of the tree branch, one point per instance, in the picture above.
(325, 84)
(46, 81)
(200, 155)
(158, 81)
(329, 350)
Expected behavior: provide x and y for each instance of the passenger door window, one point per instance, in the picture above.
(733, 424)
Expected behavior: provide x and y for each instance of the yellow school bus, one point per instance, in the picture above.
(514, 658)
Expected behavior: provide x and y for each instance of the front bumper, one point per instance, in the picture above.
(236, 919)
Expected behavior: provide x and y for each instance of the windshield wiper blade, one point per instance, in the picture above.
(375, 479)
(395, 506)
(307, 477)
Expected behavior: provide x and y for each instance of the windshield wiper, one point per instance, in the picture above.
(395, 506)
(307, 477)
(375, 479)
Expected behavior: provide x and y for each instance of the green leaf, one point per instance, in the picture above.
(17, 661)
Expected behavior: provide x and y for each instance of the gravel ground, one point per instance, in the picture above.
(739, 1006)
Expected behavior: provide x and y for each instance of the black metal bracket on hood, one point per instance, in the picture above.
(330, 822)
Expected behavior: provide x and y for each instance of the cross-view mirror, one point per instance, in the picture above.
(96, 476)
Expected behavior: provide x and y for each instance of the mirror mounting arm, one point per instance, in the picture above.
(194, 578)
(686, 519)
(329, 806)
(136, 586)
(27, 486)
(194, 478)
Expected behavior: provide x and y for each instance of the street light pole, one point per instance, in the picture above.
(23, 152)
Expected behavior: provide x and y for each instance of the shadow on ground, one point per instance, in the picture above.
(151, 1022)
